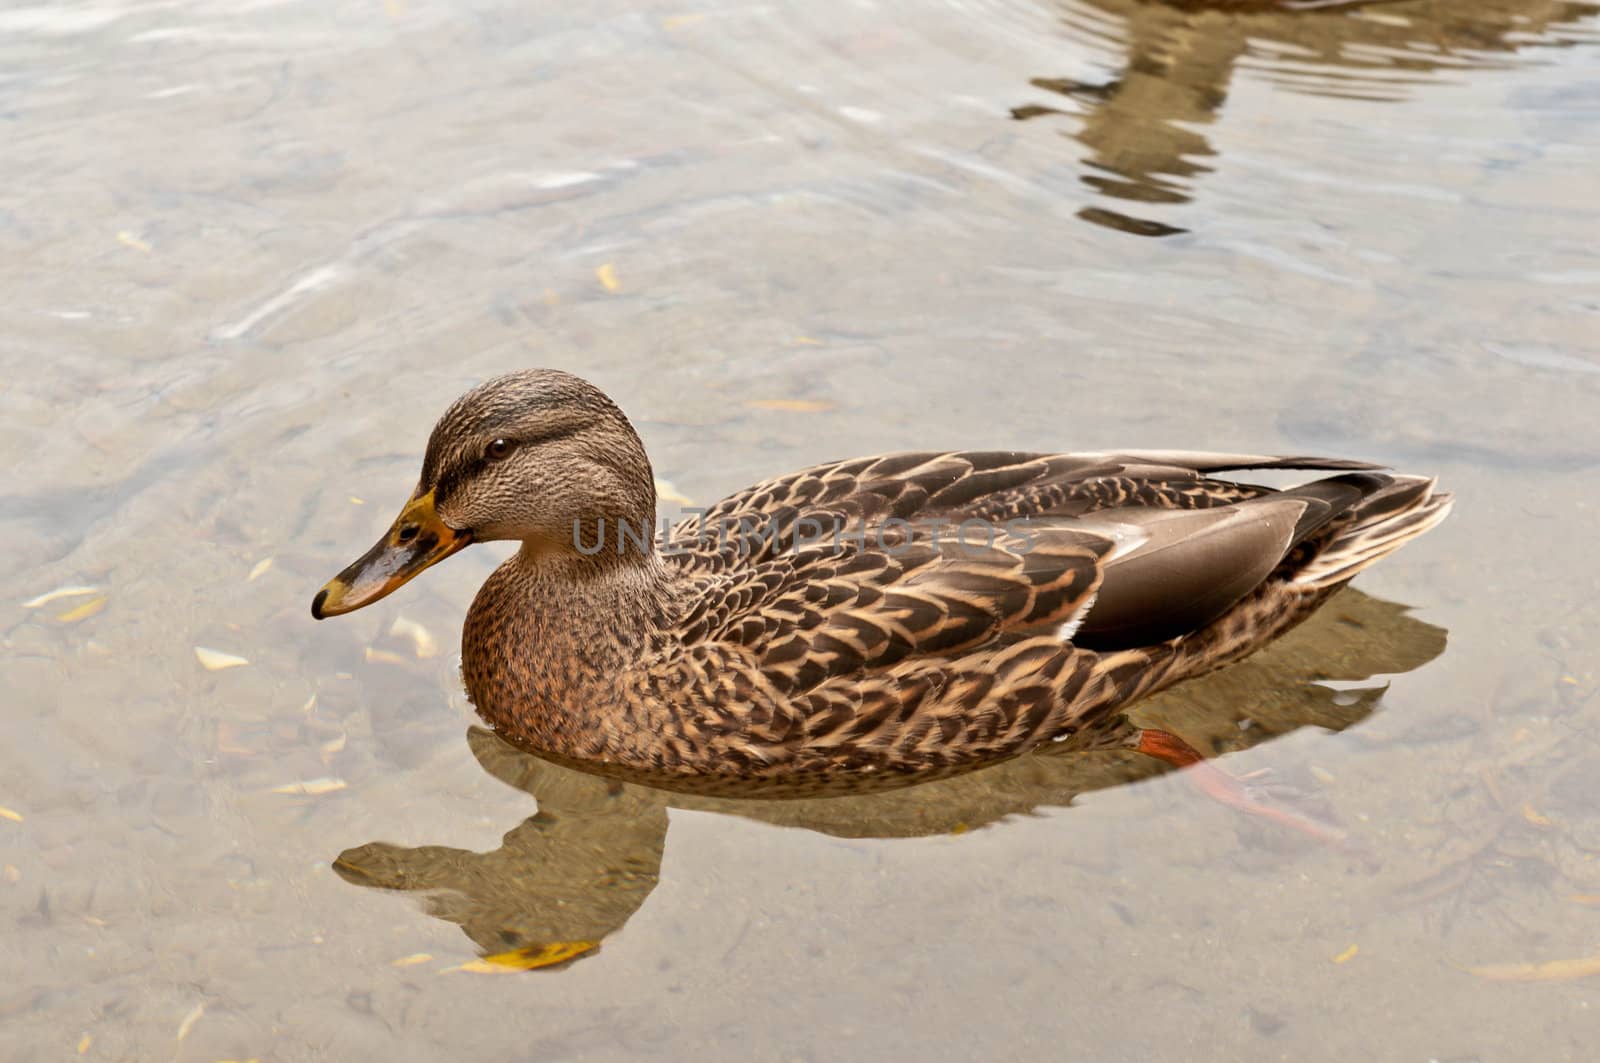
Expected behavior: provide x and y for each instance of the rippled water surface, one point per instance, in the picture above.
(248, 251)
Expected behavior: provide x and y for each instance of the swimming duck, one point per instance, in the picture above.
(860, 624)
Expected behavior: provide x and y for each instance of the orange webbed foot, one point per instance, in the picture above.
(1248, 794)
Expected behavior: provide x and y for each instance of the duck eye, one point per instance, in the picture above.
(497, 449)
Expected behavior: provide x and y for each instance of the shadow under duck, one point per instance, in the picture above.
(847, 636)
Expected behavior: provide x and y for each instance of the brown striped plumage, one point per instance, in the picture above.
(856, 636)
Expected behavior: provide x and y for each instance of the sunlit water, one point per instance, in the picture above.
(249, 251)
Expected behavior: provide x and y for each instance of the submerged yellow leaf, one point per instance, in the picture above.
(354, 501)
(412, 960)
(60, 592)
(259, 569)
(6, 813)
(383, 656)
(790, 405)
(666, 492)
(82, 612)
(1553, 971)
(311, 787)
(807, 341)
(190, 1019)
(1584, 898)
(83, 1043)
(216, 660)
(1534, 816)
(608, 277)
(1347, 955)
(127, 239)
(529, 959)
(423, 643)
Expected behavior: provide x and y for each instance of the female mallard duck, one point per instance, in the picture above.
(877, 621)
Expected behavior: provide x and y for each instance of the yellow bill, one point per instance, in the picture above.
(416, 540)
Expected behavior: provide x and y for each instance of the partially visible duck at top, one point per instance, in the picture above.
(853, 637)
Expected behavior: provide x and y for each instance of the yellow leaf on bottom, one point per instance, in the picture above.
(310, 787)
(60, 592)
(190, 1019)
(529, 959)
(1553, 971)
(790, 405)
(412, 960)
(82, 612)
(215, 660)
(383, 656)
(666, 491)
(422, 641)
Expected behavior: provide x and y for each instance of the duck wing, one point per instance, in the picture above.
(975, 484)
(843, 568)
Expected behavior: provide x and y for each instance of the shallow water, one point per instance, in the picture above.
(249, 251)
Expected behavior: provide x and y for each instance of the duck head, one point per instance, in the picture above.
(539, 456)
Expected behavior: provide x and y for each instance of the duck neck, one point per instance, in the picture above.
(549, 637)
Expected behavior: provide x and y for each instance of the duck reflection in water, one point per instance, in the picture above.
(1144, 124)
(575, 872)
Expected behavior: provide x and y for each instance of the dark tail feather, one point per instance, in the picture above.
(1380, 514)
